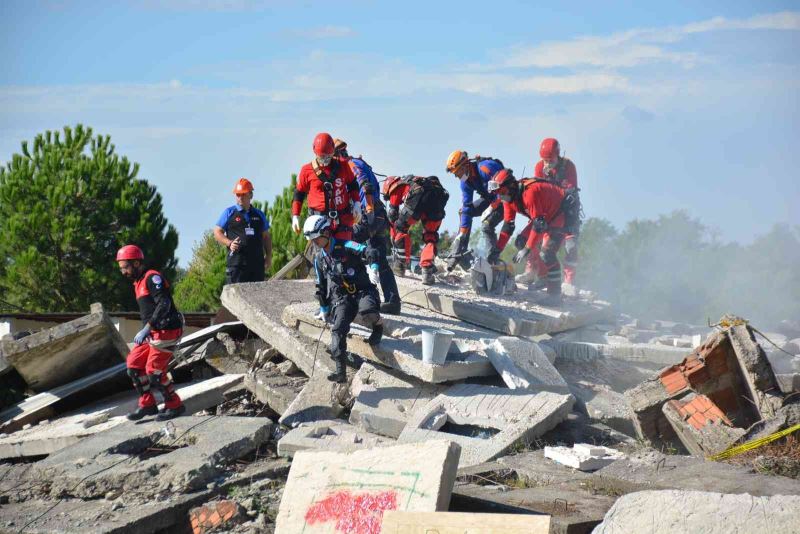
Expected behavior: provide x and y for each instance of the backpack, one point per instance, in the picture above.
(426, 195)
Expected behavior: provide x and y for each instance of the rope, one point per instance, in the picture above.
(754, 444)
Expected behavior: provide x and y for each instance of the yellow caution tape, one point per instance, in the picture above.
(756, 443)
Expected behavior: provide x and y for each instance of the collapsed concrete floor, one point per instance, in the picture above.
(409, 437)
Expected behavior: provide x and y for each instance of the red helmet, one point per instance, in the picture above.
(243, 186)
(502, 180)
(130, 252)
(323, 144)
(549, 149)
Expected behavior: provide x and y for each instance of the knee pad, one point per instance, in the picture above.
(548, 256)
(134, 374)
(430, 237)
(371, 318)
(508, 228)
(154, 380)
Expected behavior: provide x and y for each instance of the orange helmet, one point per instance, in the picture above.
(243, 186)
(339, 144)
(456, 159)
(130, 252)
(323, 144)
(389, 185)
(549, 148)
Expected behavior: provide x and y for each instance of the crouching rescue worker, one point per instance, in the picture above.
(344, 288)
(544, 204)
(163, 325)
(412, 199)
(474, 175)
(374, 223)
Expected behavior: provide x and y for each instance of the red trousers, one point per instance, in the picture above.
(147, 366)
(430, 236)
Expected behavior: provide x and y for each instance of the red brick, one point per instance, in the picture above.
(673, 381)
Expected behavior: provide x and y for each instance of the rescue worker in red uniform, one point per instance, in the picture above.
(542, 202)
(561, 171)
(423, 199)
(163, 325)
(331, 188)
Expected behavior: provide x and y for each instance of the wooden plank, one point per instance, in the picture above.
(293, 264)
(395, 522)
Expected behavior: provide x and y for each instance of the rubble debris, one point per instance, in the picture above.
(485, 420)
(357, 487)
(640, 353)
(583, 456)
(458, 522)
(669, 511)
(335, 436)
(214, 515)
(71, 428)
(386, 398)
(464, 360)
(523, 365)
(319, 399)
(603, 405)
(701, 426)
(66, 352)
(274, 389)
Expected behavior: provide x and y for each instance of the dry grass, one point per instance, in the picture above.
(781, 457)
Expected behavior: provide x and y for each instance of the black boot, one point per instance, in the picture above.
(494, 256)
(141, 412)
(171, 413)
(427, 276)
(339, 376)
(376, 335)
(392, 307)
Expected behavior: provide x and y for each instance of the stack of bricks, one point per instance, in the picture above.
(211, 516)
(703, 428)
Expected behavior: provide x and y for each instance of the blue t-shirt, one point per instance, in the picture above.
(222, 222)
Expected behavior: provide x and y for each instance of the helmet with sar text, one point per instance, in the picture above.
(315, 225)
(504, 185)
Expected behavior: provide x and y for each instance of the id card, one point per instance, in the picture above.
(250, 231)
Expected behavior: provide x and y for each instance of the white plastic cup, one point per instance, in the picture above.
(436, 345)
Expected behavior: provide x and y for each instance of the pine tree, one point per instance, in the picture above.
(66, 205)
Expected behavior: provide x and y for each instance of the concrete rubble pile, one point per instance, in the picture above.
(537, 420)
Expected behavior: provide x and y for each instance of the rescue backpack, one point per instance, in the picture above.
(478, 158)
(426, 195)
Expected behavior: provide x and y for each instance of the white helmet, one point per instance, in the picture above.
(314, 226)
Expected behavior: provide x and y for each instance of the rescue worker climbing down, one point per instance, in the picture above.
(474, 174)
(344, 288)
(162, 328)
(331, 189)
(412, 199)
(543, 203)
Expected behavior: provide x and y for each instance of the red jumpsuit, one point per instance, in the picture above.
(330, 196)
(401, 223)
(147, 363)
(565, 175)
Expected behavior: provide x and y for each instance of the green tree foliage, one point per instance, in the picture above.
(67, 203)
(285, 243)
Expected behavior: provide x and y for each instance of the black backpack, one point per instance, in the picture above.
(426, 195)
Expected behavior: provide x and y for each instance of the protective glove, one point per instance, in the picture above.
(323, 314)
(374, 274)
(372, 255)
(296, 223)
(539, 225)
(393, 214)
(521, 255)
(356, 212)
(142, 335)
(478, 206)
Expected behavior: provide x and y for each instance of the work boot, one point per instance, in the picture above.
(427, 276)
(527, 277)
(141, 412)
(541, 283)
(171, 413)
(339, 376)
(399, 267)
(376, 335)
(392, 307)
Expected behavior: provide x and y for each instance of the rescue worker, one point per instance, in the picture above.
(163, 325)
(543, 203)
(372, 227)
(344, 288)
(474, 175)
(244, 230)
(331, 189)
(561, 171)
(411, 199)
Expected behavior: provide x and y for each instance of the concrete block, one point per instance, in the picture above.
(273, 388)
(700, 512)
(758, 375)
(583, 456)
(335, 492)
(603, 405)
(319, 399)
(465, 359)
(463, 523)
(186, 460)
(700, 425)
(71, 428)
(640, 353)
(385, 399)
(523, 365)
(486, 421)
(67, 352)
(334, 436)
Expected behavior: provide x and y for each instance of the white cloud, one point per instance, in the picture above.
(505, 84)
(329, 32)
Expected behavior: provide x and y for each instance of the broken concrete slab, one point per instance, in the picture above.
(465, 359)
(67, 352)
(274, 389)
(701, 512)
(485, 420)
(583, 456)
(186, 454)
(463, 522)
(757, 371)
(638, 353)
(332, 436)
(320, 398)
(326, 489)
(700, 425)
(603, 405)
(514, 314)
(47, 438)
(386, 398)
(259, 305)
(523, 365)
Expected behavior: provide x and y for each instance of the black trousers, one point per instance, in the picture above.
(344, 309)
(375, 237)
(236, 274)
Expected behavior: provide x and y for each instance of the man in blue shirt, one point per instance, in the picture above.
(244, 231)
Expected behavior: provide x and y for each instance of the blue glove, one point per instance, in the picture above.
(142, 336)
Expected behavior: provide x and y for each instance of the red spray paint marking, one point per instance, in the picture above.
(354, 514)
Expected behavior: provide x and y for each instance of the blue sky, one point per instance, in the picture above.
(677, 105)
